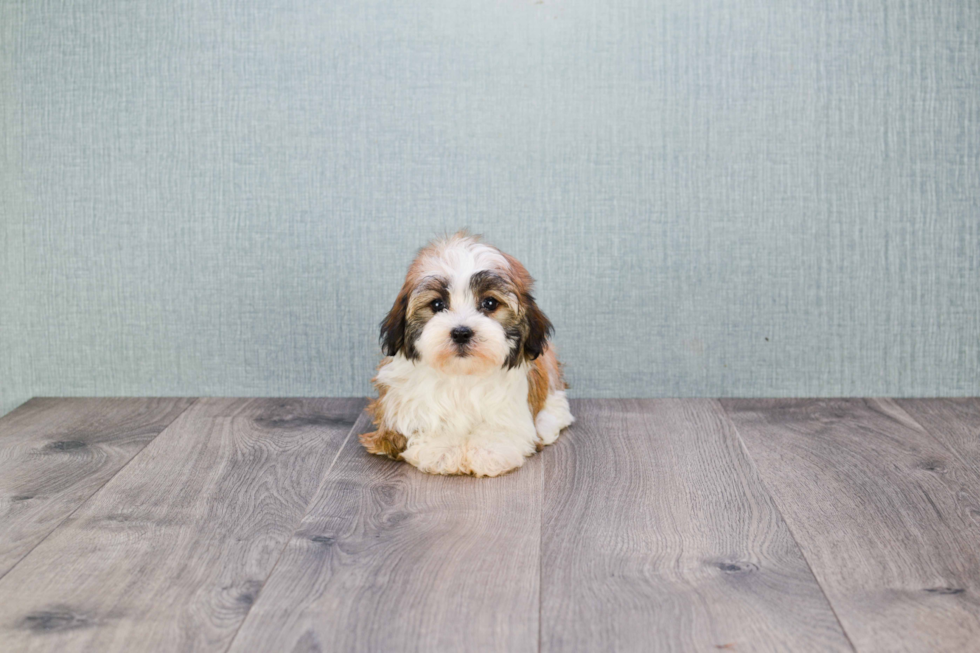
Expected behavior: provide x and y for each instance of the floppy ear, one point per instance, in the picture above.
(539, 329)
(537, 326)
(393, 326)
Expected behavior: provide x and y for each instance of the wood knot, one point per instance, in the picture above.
(54, 620)
(936, 466)
(245, 599)
(386, 493)
(736, 567)
(65, 445)
(247, 592)
(396, 518)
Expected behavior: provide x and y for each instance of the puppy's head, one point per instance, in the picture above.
(465, 308)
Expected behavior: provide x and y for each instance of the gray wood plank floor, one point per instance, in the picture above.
(658, 535)
(440, 563)
(651, 525)
(56, 453)
(884, 513)
(172, 552)
(954, 422)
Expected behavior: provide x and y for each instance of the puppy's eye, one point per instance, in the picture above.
(438, 305)
(489, 304)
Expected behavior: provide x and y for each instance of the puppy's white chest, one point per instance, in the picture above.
(431, 405)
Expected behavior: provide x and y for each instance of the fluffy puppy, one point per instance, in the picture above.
(471, 384)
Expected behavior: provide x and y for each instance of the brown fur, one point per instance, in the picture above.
(543, 376)
(384, 443)
(538, 384)
(393, 326)
(535, 326)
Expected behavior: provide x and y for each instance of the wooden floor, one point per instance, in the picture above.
(651, 525)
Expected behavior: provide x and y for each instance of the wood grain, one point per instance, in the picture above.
(954, 422)
(888, 518)
(658, 535)
(56, 453)
(172, 552)
(390, 559)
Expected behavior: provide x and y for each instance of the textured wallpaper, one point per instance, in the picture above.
(727, 198)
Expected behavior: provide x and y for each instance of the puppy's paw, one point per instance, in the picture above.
(431, 459)
(384, 443)
(494, 459)
(555, 416)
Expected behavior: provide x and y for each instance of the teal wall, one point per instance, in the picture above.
(717, 198)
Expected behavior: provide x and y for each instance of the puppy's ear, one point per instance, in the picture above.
(539, 329)
(393, 326)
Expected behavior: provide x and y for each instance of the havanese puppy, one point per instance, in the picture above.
(471, 384)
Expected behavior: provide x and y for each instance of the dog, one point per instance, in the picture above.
(471, 383)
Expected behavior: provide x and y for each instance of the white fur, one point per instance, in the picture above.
(555, 416)
(459, 423)
(467, 424)
(461, 257)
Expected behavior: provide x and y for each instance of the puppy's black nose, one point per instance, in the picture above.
(461, 335)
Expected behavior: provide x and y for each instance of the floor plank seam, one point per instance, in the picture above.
(97, 490)
(789, 527)
(358, 424)
(541, 500)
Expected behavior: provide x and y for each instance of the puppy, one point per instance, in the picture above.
(471, 384)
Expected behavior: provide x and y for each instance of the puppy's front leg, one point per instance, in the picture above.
(437, 456)
(496, 453)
